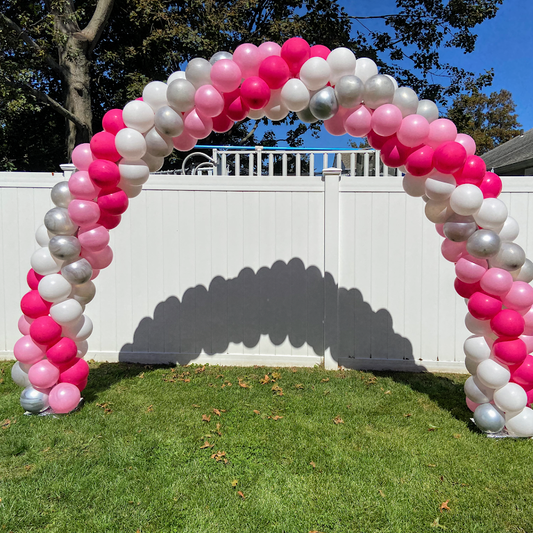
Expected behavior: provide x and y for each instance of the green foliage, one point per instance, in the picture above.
(490, 119)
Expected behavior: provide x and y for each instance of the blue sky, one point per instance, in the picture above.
(504, 43)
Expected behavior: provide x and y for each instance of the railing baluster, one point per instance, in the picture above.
(284, 163)
(325, 160)
(271, 164)
(353, 160)
(224, 164)
(367, 165)
(377, 163)
(312, 165)
(298, 165)
(251, 164)
(237, 164)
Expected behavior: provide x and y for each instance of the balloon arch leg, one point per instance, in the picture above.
(350, 96)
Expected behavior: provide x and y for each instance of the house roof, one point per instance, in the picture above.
(511, 154)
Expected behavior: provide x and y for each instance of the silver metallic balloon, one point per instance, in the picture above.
(220, 55)
(488, 419)
(323, 103)
(379, 90)
(58, 222)
(525, 273)
(154, 163)
(19, 374)
(198, 72)
(33, 401)
(349, 91)
(64, 247)
(511, 256)
(180, 95)
(458, 228)
(428, 110)
(61, 194)
(77, 272)
(483, 243)
(158, 144)
(406, 100)
(84, 292)
(306, 116)
(168, 122)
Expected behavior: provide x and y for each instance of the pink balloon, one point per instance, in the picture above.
(82, 187)
(103, 146)
(84, 212)
(275, 71)
(295, 51)
(112, 121)
(467, 142)
(497, 282)
(508, 323)
(420, 162)
(62, 351)
(95, 273)
(94, 238)
(208, 100)
(76, 373)
(226, 76)
(491, 186)
(113, 201)
(394, 153)
(358, 122)
(237, 110)
(43, 374)
(483, 307)
(45, 330)
(24, 324)
(100, 259)
(528, 322)
(32, 279)
(64, 397)
(197, 125)
(413, 130)
(247, 57)
(222, 123)
(269, 49)
(473, 171)
(523, 374)
(471, 405)
(33, 306)
(335, 125)
(319, 50)
(109, 222)
(82, 156)
(449, 157)
(440, 131)
(470, 269)
(452, 251)
(27, 351)
(375, 140)
(528, 341)
(386, 120)
(104, 173)
(440, 229)
(509, 351)
(520, 296)
(184, 142)
(465, 290)
(255, 92)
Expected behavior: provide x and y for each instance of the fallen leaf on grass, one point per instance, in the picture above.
(265, 380)
(220, 456)
(338, 420)
(408, 415)
(381, 493)
(7, 422)
(275, 417)
(314, 531)
(276, 375)
(432, 427)
(206, 445)
(105, 407)
(277, 390)
(444, 506)
(206, 418)
(388, 392)
(141, 375)
(218, 430)
(194, 405)
(220, 376)
(299, 386)
(150, 409)
(325, 380)
(432, 466)
(457, 436)
(217, 412)
(326, 392)
(257, 412)
(234, 483)
(436, 524)
(198, 370)
(313, 464)
(243, 384)
(241, 494)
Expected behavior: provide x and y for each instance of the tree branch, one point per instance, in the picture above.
(250, 133)
(26, 37)
(94, 29)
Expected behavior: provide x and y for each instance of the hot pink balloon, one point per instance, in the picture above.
(508, 323)
(420, 162)
(45, 330)
(222, 123)
(452, 251)
(449, 157)
(62, 351)
(470, 269)
(465, 290)
(208, 100)
(197, 125)
(112, 121)
(27, 351)
(394, 153)
(473, 171)
(275, 71)
(509, 351)
(84, 212)
(82, 187)
(269, 49)
(319, 50)
(483, 307)
(226, 75)
(94, 238)
(523, 374)
(413, 130)
(491, 186)
(113, 201)
(33, 306)
(295, 51)
(520, 296)
(43, 374)
(64, 397)
(467, 142)
(104, 173)
(184, 142)
(109, 222)
(24, 324)
(248, 58)
(386, 120)
(497, 282)
(375, 140)
(255, 92)
(32, 279)
(82, 156)
(76, 373)
(358, 122)
(103, 146)
(236, 109)
(100, 259)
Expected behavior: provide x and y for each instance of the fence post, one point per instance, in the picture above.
(331, 177)
(68, 169)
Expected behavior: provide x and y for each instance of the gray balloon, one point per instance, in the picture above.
(64, 247)
(220, 55)
(323, 104)
(483, 243)
(158, 144)
(20, 375)
(526, 272)
(488, 419)
(459, 228)
(306, 116)
(428, 110)
(61, 194)
(198, 72)
(406, 100)
(379, 90)
(180, 95)
(349, 91)
(58, 222)
(84, 293)
(33, 401)
(510, 257)
(77, 272)
(168, 122)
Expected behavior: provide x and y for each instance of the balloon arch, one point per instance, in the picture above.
(350, 96)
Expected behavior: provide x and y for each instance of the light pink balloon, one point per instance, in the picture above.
(335, 125)
(440, 131)
(43, 374)
(64, 397)
(208, 101)
(452, 251)
(496, 282)
(358, 122)
(226, 76)
(471, 405)
(27, 351)
(269, 49)
(94, 238)
(82, 156)
(84, 212)
(99, 260)
(82, 187)
(528, 341)
(440, 229)
(248, 58)
(413, 130)
(24, 324)
(386, 120)
(528, 319)
(470, 269)
(197, 125)
(520, 296)
(468, 143)
(184, 142)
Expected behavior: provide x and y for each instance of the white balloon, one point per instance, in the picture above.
(275, 110)
(178, 75)
(521, 424)
(79, 330)
(83, 347)
(492, 214)
(471, 365)
(525, 273)
(511, 397)
(256, 114)
(394, 82)
(155, 94)
(466, 199)
(138, 115)
(315, 74)
(476, 326)
(492, 374)
(414, 185)
(342, 63)
(365, 68)
(66, 311)
(131, 190)
(477, 348)
(130, 143)
(135, 172)
(44, 263)
(295, 95)
(42, 236)
(476, 391)
(19, 374)
(439, 187)
(54, 288)
(510, 230)
(438, 212)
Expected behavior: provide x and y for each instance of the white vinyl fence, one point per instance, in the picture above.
(262, 270)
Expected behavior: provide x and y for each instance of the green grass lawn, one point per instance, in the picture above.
(219, 449)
